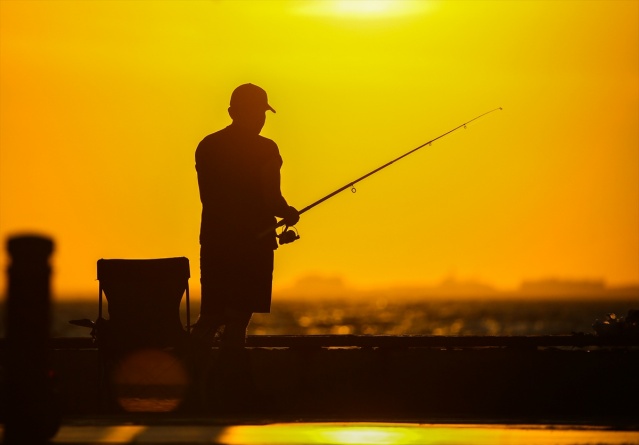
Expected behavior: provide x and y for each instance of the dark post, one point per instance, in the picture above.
(30, 418)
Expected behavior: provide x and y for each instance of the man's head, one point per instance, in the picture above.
(249, 104)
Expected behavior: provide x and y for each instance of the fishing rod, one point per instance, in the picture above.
(289, 236)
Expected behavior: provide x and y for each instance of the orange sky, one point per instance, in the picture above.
(103, 103)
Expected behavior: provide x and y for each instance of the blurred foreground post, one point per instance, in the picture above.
(30, 418)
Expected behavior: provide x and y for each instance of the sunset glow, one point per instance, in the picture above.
(102, 105)
(365, 9)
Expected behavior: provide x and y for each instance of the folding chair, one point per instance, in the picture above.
(144, 298)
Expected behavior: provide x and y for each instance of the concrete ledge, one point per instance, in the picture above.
(403, 341)
(410, 383)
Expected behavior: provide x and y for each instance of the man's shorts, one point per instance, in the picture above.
(240, 277)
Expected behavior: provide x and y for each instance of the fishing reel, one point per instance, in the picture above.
(288, 235)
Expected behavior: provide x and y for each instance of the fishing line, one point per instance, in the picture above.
(351, 184)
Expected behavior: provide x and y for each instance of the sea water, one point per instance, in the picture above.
(393, 316)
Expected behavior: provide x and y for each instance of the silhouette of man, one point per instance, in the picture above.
(238, 175)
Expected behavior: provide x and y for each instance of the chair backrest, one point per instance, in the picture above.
(144, 299)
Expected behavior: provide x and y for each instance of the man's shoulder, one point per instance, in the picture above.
(210, 141)
(267, 143)
(228, 134)
(213, 137)
(226, 139)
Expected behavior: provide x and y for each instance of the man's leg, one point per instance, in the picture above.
(205, 330)
(212, 307)
(237, 388)
(235, 325)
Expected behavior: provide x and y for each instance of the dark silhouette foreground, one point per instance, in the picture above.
(31, 413)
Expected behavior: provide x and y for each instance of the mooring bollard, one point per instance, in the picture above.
(30, 416)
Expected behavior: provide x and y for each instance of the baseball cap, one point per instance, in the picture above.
(249, 96)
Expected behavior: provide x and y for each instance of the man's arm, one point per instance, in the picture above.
(275, 202)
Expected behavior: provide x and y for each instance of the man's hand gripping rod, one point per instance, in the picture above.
(351, 184)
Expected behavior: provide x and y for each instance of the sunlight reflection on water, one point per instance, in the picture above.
(413, 434)
(397, 317)
(345, 434)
